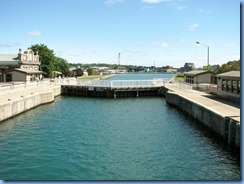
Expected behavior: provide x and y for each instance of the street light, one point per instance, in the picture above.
(208, 51)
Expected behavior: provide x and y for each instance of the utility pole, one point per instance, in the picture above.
(118, 58)
(207, 51)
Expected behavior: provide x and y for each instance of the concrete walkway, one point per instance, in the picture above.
(25, 92)
(222, 106)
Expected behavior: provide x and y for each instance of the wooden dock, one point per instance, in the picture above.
(109, 92)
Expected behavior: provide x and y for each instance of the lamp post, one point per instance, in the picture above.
(208, 51)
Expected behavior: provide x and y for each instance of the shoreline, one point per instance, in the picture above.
(96, 77)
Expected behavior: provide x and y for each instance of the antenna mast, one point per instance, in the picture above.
(119, 59)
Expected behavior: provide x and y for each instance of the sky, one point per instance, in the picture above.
(144, 32)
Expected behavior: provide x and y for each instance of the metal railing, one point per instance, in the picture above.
(182, 85)
(113, 83)
(9, 88)
(208, 88)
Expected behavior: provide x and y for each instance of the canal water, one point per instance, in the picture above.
(77, 138)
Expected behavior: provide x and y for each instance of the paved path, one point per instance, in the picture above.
(224, 107)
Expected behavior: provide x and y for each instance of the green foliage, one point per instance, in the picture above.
(47, 58)
(61, 65)
(230, 66)
(90, 71)
(207, 68)
(179, 77)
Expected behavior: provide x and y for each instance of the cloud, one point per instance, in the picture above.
(111, 2)
(74, 55)
(236, 57)
(165, 45)
(147, 7)
(204, 11)
(137, 53)
(182, 40)
(181, 7)
(151, 1)
(34, 33)
(176, 4)
(229, 45)
(155, 1)
(162, 44)
(9, 45)
(2, 45)
(59, 53)
(193, 27)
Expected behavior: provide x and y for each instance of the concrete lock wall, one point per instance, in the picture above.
(208, 117)
(24, 103)
(5, 110)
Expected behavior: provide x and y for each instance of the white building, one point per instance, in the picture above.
(20, 67)
(229, 84)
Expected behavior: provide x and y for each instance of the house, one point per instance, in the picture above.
(197, 77)
(20, 67)
(228, 84)
(168, 69)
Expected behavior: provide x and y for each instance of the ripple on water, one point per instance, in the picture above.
(110, 139)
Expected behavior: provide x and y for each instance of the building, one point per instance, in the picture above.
(20, 67)
(197, 77)
(168, 69)
(228, 84)
(188, 67)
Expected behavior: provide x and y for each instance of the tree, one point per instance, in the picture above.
(46, 57)
(79, 72)
(230, 66)
(90, 71)
(207, 68)
(61, 65)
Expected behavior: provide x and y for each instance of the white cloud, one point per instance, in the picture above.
(182, 40)
(137, 53)
(34, 33)
(165, 45)
(176, 4)
(229, 45)
(74, 55)
(205, 11)
(155, 1)
(236, 57)
(162, 44)
(2, 45)
(181, 7)
(147, 7)
(193, 27)
(151, 1)
(111, 2)
(200, 11)
(59, 53)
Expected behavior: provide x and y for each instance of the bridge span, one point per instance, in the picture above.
(112, 88)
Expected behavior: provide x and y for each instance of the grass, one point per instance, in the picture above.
(90, 77)
(180, 78)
